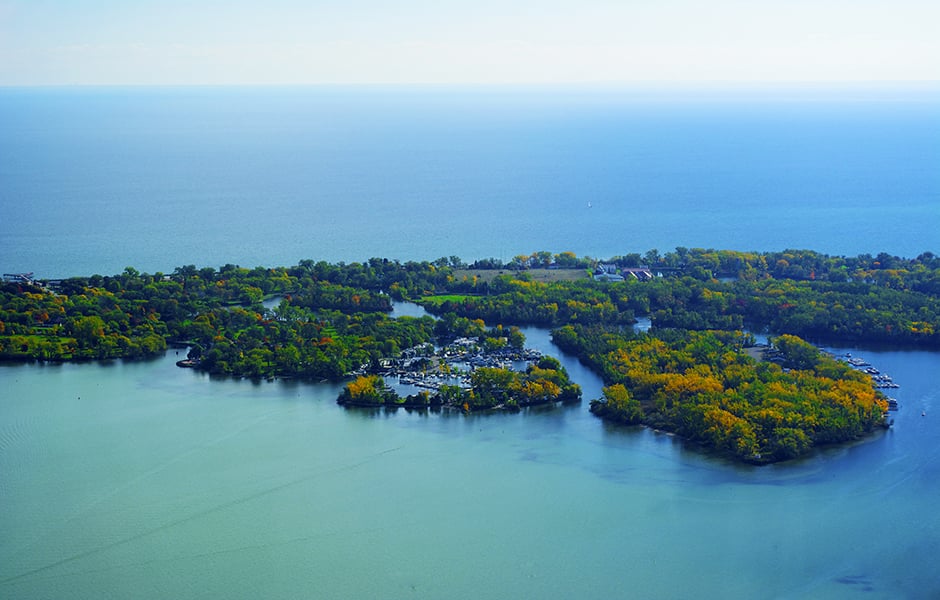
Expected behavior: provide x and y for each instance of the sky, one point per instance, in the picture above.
(237, 42)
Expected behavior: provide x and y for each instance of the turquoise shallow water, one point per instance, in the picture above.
(146, 480)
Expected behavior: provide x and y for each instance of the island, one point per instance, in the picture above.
(487, 388)
(704, 386)
(694, 373)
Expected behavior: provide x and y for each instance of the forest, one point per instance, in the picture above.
(860, 300)
(700, 385)
(325, 321)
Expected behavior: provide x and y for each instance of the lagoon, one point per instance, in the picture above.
(143, 479)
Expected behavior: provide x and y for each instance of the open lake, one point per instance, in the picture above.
(144, 480)
(93, 180)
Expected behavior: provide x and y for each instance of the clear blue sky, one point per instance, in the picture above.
(456, 41)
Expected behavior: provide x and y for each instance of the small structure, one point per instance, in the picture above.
(26, 278)
(607, 272)
(639, 273)
(608, 277)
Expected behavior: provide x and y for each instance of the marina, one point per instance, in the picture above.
(429, 367)
(880, 381)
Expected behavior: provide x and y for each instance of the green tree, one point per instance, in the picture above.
(88, 331)
(797, 354)
(619, 405)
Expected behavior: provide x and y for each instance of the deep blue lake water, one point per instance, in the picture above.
(96, 179)
(145, 480)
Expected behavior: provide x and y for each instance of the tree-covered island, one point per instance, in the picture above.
(689, 374)
(544, 381)
(702, 386)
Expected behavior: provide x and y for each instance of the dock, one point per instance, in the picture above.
(430, 368)
(879, 380)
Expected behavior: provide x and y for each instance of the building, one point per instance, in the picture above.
(640, 273)
(19, 278)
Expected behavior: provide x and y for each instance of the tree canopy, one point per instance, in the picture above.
(700, 385)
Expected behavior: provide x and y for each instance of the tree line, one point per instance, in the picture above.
(867, 298)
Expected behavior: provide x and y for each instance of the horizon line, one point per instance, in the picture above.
(638, 84)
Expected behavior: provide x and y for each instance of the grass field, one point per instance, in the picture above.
(438, 300)
(545, 275)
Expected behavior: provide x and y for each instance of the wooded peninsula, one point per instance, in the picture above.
(689, 374)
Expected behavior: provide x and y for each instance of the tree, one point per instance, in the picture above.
(366, 390)
(519, 262)
(567, 260)
(789, 442)
(542, 259)
(184, 272)
(652, 257)
(619, 405)
(516, 338)
(797, 354)
(491, 384)
(87, 331)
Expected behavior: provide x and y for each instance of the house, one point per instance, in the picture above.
(603, 276)
(19, 278)
(640, 273)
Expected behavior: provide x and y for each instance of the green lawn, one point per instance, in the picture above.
(438, 300)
